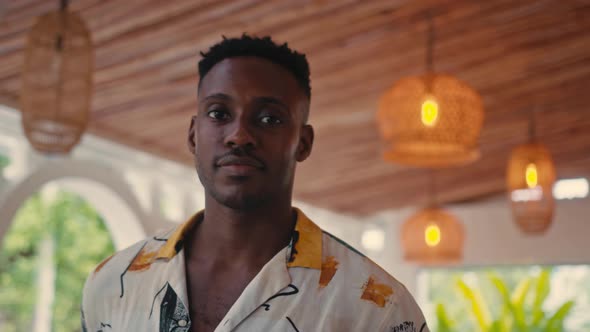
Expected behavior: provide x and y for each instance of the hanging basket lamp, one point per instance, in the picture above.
(57, 81)
(433, 120)
(433, 236)
(530, 179)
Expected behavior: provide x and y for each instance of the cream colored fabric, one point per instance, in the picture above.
(317, 283)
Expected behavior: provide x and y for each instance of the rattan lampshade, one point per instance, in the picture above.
(433, 120)
(430, 121)
(57, 82)
(530, 179)
(433, 236)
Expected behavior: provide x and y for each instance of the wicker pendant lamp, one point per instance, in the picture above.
(433, 120)
(57, 81)
(433, 236)
(530, 179)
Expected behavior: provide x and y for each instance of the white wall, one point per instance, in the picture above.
(494, 238)
(491, 237)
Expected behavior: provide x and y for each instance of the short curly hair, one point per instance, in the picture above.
(263, 47)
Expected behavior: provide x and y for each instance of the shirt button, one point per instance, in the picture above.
(182, 323)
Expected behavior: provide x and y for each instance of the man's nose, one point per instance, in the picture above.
(240, 135)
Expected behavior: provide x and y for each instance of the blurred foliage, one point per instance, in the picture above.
(517, 308)
(81, 241)
(4, 161)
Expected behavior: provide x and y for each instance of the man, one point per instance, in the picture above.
(249, 261)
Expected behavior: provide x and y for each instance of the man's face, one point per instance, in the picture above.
(249, 132)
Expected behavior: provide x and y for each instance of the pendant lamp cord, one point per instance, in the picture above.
(431, 188)
(63, 6)
(429, 52)
(532, 125)
(430, 44)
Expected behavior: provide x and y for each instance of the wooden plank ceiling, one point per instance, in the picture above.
(517, 54)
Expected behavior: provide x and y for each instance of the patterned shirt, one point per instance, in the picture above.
(316, 283)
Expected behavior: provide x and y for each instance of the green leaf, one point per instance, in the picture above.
(445, 324)
(541, 292)
(514, 305)
(502, 289)
(479, 308)
(497, 326)
(555, 322)
(521, 291)
(518, 305)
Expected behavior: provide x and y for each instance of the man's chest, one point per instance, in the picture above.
(263, 304)
(272, 301)
(241, 301)
(211, 299)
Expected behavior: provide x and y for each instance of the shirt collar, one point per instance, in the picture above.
(174, 242)
(306, 242)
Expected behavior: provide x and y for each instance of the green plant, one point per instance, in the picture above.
(521, 310)
(81, 241)
(445, 323)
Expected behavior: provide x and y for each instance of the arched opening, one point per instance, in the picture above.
(54, 241)
(57, 224)
(108, 193)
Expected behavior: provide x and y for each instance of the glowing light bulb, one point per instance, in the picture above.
(432, 235)
(531, 175)
(429, 112)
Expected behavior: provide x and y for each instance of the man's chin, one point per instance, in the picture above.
(241, 202)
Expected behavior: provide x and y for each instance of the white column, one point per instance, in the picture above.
(45, 285)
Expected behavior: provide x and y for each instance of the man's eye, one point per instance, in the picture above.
(270, 120)
(218, 115)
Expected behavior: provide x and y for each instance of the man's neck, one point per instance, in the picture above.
(251, 237)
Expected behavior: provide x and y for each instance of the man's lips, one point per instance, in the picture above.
(233, 160)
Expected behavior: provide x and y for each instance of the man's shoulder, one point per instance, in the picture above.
(353, 283)
(337, 245)
(123, 285)
(357, 266)
(137, 257)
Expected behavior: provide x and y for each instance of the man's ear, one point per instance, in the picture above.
(191, 135)
(305, 143)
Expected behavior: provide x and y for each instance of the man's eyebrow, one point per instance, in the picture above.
(271, 100)
(221, 96)
(260, 100)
